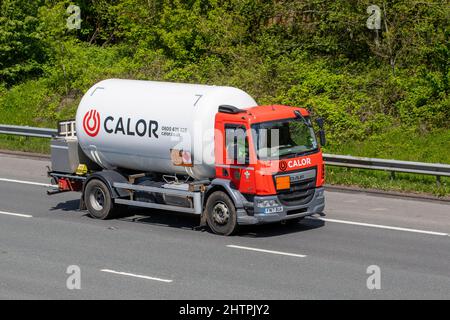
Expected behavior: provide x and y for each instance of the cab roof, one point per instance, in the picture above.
(265, 113)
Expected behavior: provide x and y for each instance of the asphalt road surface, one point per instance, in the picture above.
(150, 254)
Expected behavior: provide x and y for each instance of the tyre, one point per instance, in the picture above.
(99, 203)
(221, 214)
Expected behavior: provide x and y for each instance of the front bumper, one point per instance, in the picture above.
(282, 212)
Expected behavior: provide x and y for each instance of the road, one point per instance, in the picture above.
(154, 255)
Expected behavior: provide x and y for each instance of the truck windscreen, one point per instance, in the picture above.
(284, 138)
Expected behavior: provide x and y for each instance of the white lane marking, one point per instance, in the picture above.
(16, 214)
(26, 182)
(136, 275)
(261, 250)
(384, 227)
(268, 251)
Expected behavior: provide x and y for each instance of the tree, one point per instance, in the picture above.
(21, 49)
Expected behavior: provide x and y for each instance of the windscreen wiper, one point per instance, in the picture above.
(298, 115)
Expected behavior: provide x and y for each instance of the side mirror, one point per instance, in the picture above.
(320, 122)
(323, 140)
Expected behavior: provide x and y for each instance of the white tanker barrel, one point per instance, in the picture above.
(135, 124)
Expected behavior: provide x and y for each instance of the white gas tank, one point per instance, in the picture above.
(135, 124)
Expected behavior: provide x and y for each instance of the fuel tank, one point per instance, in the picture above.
(137, 124)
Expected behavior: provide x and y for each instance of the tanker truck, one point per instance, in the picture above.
(206, 150)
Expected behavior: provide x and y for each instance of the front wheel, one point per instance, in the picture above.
(221, 214)
(97, 198)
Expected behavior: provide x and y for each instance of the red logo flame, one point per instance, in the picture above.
(91, 123)
(283, 165)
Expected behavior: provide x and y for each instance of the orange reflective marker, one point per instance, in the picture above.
(283, 182)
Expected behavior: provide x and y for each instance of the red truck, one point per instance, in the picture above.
(205, 150)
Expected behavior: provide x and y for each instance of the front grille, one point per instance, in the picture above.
(296, 211)
(296, 198)
(303, 185)
(301, 192)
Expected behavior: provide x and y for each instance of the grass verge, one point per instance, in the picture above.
(26, 144)
(402, 182)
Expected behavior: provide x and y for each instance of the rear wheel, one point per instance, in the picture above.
(99, 203)
(221, 214)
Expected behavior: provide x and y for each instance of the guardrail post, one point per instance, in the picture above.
(438, 181)
(392, 175)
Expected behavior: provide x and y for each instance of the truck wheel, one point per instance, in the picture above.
(97, 198)
(221, 214)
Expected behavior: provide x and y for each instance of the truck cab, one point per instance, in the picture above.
(270, 155)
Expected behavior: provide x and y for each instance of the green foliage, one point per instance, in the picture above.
(311, 53)
(383, 93)
(30, 96)
(21, 49)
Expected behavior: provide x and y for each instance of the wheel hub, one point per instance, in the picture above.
(97, 199)
(221, 213)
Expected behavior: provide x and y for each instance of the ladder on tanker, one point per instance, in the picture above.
(67, 129)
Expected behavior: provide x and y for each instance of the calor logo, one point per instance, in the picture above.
(91, 123)
(283, 165)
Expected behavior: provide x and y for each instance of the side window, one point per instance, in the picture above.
(236, 144)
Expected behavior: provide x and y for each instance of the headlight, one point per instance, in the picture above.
(267, 203)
